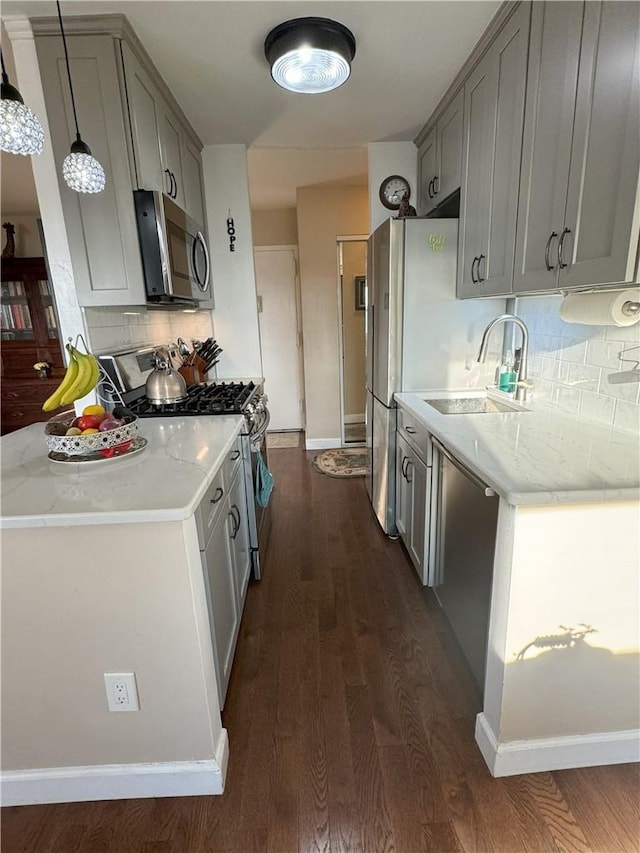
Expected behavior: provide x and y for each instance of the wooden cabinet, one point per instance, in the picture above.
(493, 119)
(164, 155)
(440, 158)
(29, 335)
(579, 185)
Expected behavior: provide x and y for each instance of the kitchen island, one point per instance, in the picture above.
(102, 573)
(561, 684)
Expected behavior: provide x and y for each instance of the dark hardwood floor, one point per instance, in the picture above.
(350, 718)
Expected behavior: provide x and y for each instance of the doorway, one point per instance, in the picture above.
(352, 272)
(277, 289)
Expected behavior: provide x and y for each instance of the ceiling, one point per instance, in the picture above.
(210, 53)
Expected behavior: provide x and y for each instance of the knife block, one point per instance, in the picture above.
(192, 374)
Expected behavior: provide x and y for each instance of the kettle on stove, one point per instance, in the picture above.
(164, 384)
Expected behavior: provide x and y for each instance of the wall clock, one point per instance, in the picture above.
(392, 189)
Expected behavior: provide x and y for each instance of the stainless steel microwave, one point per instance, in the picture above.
(175, 258)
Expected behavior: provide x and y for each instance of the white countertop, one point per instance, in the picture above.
(537, 457)
(164, 482)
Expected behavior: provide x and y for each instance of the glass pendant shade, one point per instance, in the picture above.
(81, 171)
(20, 130)
(310, 55)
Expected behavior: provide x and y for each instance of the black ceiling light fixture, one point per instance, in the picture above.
(310, 55)
(80, 169)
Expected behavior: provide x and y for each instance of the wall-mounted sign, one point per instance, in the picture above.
(231, 231)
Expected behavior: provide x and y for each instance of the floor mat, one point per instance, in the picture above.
(342, 462)
(277, 440)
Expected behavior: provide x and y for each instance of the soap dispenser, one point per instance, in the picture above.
(507, 375)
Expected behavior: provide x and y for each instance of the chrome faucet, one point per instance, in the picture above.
(522, 384)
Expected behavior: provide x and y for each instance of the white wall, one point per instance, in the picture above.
(27, 236)
(571, 364)
(235, 315)
(115, 328)
(390, 158)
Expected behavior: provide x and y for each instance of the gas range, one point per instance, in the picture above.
(218, 398)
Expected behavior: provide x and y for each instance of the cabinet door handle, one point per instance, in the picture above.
(218, 494)
(235, 455)
(405, 459)
(236, 521)
(561, 262)
(406, 476)
(436, 190)
(547, 250)
(175, 186)
(410, 430)
(432, 189)
(167, 172)
(473, 264)
(480, 259)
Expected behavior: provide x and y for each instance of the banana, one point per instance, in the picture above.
(84, 380)
(55, 400)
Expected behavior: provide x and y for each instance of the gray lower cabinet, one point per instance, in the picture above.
(579, 188)
(493, 119)
(224, 614)
(440, 158)
(411, 506)
(223, 534)
(240, 538)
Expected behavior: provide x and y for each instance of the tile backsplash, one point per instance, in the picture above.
(571, 364)
(117, 328)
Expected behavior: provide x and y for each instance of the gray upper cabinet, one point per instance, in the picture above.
(440, 158)
(140, 138)
(165, 157)
(101, 227)
(493, 117)
(577, 216)
(427, 171)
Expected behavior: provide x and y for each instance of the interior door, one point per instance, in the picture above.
(280, 337)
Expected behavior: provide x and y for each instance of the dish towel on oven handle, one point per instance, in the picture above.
(264, 481)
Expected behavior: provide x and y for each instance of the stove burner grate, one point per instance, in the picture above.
(226, 398)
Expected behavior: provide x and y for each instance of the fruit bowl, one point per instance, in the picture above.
(106, 443)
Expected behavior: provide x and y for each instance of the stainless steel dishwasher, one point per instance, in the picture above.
(467, 523)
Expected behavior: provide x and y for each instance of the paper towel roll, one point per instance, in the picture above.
(601, 309)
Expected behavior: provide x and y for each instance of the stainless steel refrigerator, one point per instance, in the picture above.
(419, 336)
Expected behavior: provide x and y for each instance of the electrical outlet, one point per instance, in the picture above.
(122, 693)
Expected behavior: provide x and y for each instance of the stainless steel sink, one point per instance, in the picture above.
(472, 405)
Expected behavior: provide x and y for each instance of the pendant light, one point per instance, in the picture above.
(80, 169)
(310, 55)
(20, 130)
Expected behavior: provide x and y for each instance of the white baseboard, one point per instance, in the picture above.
(117, 781)
(354, 419)
(322, 443)
(555, 753)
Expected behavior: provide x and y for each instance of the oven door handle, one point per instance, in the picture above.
(256, 436)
